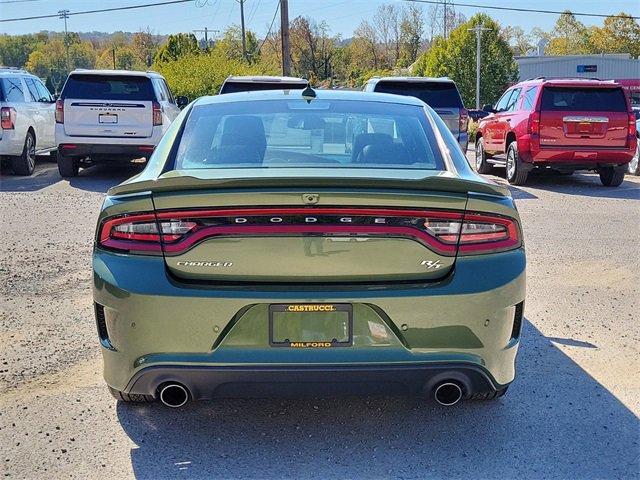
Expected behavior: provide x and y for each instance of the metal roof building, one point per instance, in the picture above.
(604, 67)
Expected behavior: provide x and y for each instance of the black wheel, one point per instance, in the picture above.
(516, 174)
(611, 176)
(25, 164)
(130, 398)
(482, 166)
(634, 164)
(68, 166)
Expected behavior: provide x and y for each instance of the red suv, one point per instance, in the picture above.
(562, 124)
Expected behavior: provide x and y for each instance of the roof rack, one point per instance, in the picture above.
(566, 78)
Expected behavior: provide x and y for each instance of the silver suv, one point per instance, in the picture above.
(441, 94)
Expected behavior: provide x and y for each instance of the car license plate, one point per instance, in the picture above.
(107, 118)
(311, 325)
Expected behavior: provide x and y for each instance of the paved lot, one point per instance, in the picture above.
(573, 412)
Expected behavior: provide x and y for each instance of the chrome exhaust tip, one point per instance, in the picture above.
(174, 395)
(448, 394)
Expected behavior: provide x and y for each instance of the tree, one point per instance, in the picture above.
(231, 44)
(411, 33)
(145, 45)
(520, 42)
(311, 48)
(569, 36)
(15, 50)
(619, 34)
(365, 45)
(177, 46)
(387, 24)
(456, 58)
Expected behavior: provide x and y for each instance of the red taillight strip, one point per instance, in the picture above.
(478, 245)
(260, 230)
(107, 225)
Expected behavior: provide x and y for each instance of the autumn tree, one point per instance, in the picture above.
(411, 34)
(619, 34)
(520, 42)
(569, 36)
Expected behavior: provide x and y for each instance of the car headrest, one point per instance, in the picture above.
(244, 130)
(385, 154)
(365, 139)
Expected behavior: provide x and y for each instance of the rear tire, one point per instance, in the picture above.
(611, 176)
(25, 164)
(68, 166)
(130, 397)
(482, 166)
(634, 164)
(516, 174)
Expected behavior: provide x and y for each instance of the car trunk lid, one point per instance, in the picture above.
(583, 117)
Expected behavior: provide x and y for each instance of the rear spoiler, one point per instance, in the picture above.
(436, 181)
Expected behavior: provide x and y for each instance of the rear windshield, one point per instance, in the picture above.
(434, 94)
(108, 87)
(294, 133)
(11, 89)
(235, 87)
(583, 99)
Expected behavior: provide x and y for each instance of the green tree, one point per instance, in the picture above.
(231, 44)
(411, 33)
(15, 49)
(569, 37)
(177, 46)
(456, 58)
(619, 34)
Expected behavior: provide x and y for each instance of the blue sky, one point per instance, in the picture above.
(341, 15)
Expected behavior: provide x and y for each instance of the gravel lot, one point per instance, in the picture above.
(572, 413)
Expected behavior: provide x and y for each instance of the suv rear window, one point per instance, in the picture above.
(235, 87)
(434, 94)
(583, 99)
(11, 90)
(108, 87)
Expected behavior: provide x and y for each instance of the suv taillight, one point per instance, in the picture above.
(157, 114)
(464, 120)
(534, 122)
(632, 124)
(8, 118)
(59, 111)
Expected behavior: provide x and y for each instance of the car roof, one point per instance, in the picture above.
(570, 82)
(320, 95)
(264, 78)
(14, 71)
(412, 79)
(129, 73)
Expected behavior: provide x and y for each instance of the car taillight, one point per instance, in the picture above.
(8, 118)
(534, 122)
(478, 233)
(59, 111)
(140, 232)
(157, 114)
(464, 120)
(632, 124)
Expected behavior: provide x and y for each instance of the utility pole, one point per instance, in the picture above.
(284, 33)
(444, 20)
(206, 31)
(64, 14)
(244, 39)
(113, 54)
(478, 29)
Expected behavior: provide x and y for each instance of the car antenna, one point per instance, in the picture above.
(308, 93)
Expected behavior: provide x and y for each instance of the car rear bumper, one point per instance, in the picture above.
(155, 323)
(530, 151)
(208, 382)
(11, 143)
(106, 151)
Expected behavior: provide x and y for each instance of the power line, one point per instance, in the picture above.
(527, 10)
(270, 26)
(85, 12)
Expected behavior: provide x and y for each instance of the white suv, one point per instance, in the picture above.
(26, 117)
(111, 115)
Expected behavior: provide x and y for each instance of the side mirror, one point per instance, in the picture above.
(488, 108)
(182, 101)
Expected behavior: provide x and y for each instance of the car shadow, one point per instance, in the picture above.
(584, 184)
(44, 176)
(101, 177)
(555, 422)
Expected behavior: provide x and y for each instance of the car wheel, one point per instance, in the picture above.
(634, 164)
(25, 164)
(131, 397)
(611, 176)
(482, 166)
(516, 175)
(68, 166)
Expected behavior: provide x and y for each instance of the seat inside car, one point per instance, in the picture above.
(365, 139)
(385, 154)
(243, 141)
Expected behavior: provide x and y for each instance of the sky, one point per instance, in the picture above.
(342, 16)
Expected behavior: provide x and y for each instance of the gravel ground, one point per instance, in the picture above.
(572, 413)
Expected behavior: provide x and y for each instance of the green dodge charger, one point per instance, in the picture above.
(308, 242)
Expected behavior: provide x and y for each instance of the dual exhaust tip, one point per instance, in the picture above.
(175, 395)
